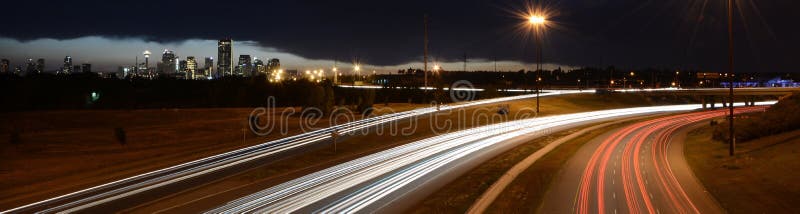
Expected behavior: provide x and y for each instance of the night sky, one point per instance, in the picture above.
(676, 34)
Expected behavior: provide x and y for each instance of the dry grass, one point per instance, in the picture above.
(764, 176)
(62, 151)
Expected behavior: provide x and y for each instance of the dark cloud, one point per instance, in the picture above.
(627, 33)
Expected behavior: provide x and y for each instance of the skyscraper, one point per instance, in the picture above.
(86, 68)
(67, 68)
(258, 67)
(169, 62)
(30, 66)
(244, 65)
(146, 69)
(209, 66)
(273, 65)
(40, 65)
(191, 67)
(225, 57)
(5, 66)
(183, 69)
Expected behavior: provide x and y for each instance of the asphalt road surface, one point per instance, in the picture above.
(635, 169)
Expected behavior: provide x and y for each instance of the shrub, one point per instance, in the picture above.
(779, 118)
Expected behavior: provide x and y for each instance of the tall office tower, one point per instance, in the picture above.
(191, 67)
(67, 68)
(273, 65)
(244, 65)
(225, 57)
(40, 65)
(183, 69)
(169, 62)
(209, 66)
(258, 67)
(86, 68)
(146, 54)
(5, 66)
(30, 66)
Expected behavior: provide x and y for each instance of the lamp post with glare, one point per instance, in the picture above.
(335, 76)
(357, 68)
(537, 21)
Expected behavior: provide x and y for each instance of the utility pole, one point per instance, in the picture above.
(425, 24)
(730, 64)
(335, 72)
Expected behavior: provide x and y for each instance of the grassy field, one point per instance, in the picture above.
(763, 177)
(63, 151)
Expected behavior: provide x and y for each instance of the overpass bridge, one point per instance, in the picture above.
(710, 96)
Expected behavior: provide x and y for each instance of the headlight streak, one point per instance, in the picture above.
(404, 164)
(111, 191)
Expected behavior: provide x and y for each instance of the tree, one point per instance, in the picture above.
(329, 99)
(366, 100)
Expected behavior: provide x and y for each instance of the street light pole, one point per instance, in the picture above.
(538, 76)
(537, 21)
(732, 143)
(425, 51)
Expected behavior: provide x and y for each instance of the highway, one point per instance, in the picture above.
(137, 189)
(381, 181)
(635, 169)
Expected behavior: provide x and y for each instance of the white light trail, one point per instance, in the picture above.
(396, 168)
(111, 191)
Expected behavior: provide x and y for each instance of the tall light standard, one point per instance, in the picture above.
(732, 146)
(335, 75)
(357, 68)
(536, 22)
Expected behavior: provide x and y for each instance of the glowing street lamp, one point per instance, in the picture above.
(357, 69)
(335, 75)
(537, 21)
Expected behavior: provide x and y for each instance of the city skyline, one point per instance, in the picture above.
(628, 34)
(111, 60)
